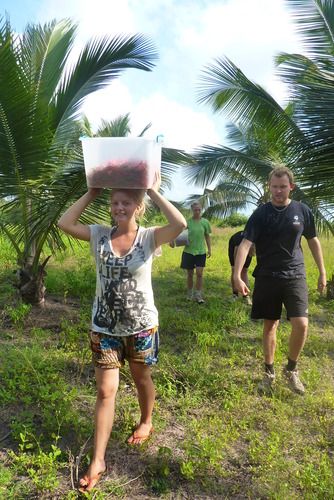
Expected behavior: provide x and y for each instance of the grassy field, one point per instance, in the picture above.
(216, 437)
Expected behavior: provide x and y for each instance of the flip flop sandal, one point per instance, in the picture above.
(140, 439)
(84, 488)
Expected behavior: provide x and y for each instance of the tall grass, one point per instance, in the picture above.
(216, 437)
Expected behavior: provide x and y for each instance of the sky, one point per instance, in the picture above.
(188, 35)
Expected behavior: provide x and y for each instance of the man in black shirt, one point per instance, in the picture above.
(276, 229)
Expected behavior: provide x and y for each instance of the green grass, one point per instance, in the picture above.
(215, 436)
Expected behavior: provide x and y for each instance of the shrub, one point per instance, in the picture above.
(234, 220)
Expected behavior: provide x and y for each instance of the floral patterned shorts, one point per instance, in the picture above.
(109, 351)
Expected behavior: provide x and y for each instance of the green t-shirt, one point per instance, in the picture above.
(197, 229)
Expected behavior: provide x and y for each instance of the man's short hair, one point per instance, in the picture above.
(279, 171)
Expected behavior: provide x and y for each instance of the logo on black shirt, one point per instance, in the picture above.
(296, 220)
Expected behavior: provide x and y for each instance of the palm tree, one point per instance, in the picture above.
(264, 133)
(41, 165)
(310, 79)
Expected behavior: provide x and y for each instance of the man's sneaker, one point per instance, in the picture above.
(295, 384)
(266, 384)
(190, 295)
(198, 297)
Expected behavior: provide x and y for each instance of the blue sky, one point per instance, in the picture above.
(188, 35)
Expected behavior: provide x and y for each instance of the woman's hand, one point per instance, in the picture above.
(94, 192)
(156, 183)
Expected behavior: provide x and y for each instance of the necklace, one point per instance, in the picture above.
(280, 210)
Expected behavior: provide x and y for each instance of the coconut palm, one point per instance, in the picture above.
(310, 79)
(265, 133)
(42, 89)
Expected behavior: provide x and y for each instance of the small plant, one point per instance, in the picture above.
(18, 314)
(187, 469)
(6, 477)
(160, 471)
(41, 467)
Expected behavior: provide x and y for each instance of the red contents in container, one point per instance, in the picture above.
(120, 173)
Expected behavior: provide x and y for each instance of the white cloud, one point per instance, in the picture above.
(108, 103)
(181, 126)
(94, 17)
(249, 33)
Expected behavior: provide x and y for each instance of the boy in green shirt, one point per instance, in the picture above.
(194, 254)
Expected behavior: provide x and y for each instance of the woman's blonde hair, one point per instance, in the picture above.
(137, 195)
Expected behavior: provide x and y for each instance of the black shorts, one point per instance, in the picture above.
(247, 261)
(271, 293)
(190, 261)
(231, 248)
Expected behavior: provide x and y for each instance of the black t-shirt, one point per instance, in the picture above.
(276, 233)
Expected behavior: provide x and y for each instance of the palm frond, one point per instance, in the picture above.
(102, 60)
(171, 160)
(212, 164)
(44, 52)
(145, 129)
(119, 127)
(225, 87)
(315, 25)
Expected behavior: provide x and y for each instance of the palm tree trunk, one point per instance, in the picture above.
(31, 283)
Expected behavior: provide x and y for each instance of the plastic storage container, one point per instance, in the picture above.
(121, 162)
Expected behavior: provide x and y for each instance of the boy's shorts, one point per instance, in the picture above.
(109, 351)
(271, 293)
(190, 261)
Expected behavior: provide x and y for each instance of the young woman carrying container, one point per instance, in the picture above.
(124, 317)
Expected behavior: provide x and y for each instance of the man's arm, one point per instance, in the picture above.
(243, 250)
(315, 247)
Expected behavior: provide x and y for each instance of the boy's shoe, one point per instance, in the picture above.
(234, 297)
(266, 385)
(190, 295)
(197, 296)
(295, 384)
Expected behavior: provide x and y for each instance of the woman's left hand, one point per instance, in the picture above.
(157, 182)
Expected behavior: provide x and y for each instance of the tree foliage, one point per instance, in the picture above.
(263, 133)
(42, 89)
